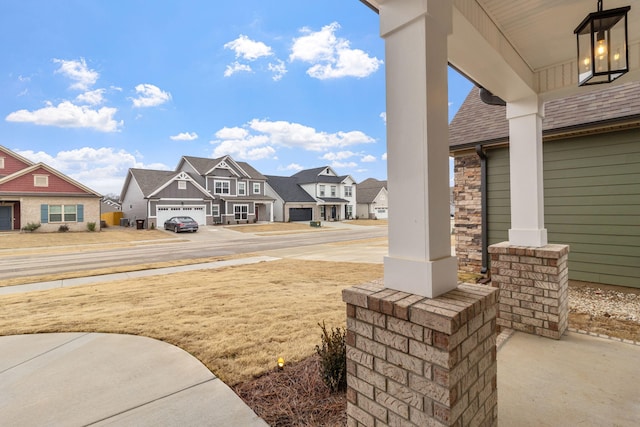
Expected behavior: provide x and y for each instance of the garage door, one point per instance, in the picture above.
(381, 213)
(300, 214)
(198, 213)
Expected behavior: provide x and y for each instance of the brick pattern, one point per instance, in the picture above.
(416, 361)
(468, 212)
(534, 288)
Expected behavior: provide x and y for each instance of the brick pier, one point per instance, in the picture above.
(416, 361)
(534, 288)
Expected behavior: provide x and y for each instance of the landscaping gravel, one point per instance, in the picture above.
(605, 303)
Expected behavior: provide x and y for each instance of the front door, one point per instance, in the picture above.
(333, 212)
(5, 218)
(255, 209)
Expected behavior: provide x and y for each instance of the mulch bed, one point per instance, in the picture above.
(295, 396)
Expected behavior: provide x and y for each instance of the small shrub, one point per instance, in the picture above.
(63, 228)
(31, 227)
(91, 226)
(333, 358)
(153, 226)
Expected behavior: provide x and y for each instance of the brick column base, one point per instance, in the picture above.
(534, 288)
(416, 361)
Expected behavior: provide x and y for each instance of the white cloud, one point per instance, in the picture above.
(279, 69)
(184, 136)
(248, 49)
(259, 138)
(368, 159)
(331, 57)
(79, 72)
(150, 96)
(92, 97)
(101, 169)
(244, 150)
(295, 135)
(68, 115)
(236, 67)
(292, 167)
(384, 156)
(383, 116)
(341, 155)
(345, 165)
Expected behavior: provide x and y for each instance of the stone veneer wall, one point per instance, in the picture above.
(416, 361)
(534, 288)
(468, 212)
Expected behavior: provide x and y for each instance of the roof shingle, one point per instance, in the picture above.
(477, 122)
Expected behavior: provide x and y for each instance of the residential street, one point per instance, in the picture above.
(208, 242)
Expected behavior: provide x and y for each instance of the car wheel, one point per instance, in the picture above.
(175, 228)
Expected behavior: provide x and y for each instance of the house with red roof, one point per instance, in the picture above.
(35, 193)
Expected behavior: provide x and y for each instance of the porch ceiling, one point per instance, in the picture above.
(516, 48)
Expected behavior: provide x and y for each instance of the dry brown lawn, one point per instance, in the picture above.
(236, 320)
(376, 222)
(110, 270)
(72, 240)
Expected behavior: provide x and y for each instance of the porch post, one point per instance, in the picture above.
(525, 156)
(531, 274)
(415, 34)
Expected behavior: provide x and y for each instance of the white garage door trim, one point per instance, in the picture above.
(381, 213)
(197, 212)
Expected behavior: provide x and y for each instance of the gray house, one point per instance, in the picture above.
(329, 197)
(292, 203)
(591, 151)
(211, 191)
(372, 199)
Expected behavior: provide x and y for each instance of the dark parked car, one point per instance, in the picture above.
(181, 223)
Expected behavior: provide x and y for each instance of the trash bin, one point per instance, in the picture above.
(139, 224)
(124, 222)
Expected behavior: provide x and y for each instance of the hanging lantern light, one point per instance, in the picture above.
(602, 46)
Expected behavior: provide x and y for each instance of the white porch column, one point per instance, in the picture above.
(525, 156)
(415, 34)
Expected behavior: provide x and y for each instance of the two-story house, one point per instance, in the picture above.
(211, 191)
(325, 195)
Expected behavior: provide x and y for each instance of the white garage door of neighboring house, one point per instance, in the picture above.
(381, 213)
(198, 213)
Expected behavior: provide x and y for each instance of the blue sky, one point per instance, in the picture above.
(95, 87)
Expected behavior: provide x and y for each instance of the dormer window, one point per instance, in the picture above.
(40, 180)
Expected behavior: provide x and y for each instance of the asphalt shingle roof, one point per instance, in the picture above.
(150, 180)
(369, 189)
(253, 173)
(202, 164)
(288, 189)
(313, 175)
(477, 122)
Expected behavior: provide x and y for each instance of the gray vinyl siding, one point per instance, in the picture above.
(592, 203)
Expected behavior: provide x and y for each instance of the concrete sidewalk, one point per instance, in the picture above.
(75, 379)
(64, 283)
(79, 379)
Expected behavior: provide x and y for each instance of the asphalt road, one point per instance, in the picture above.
(208, 242)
